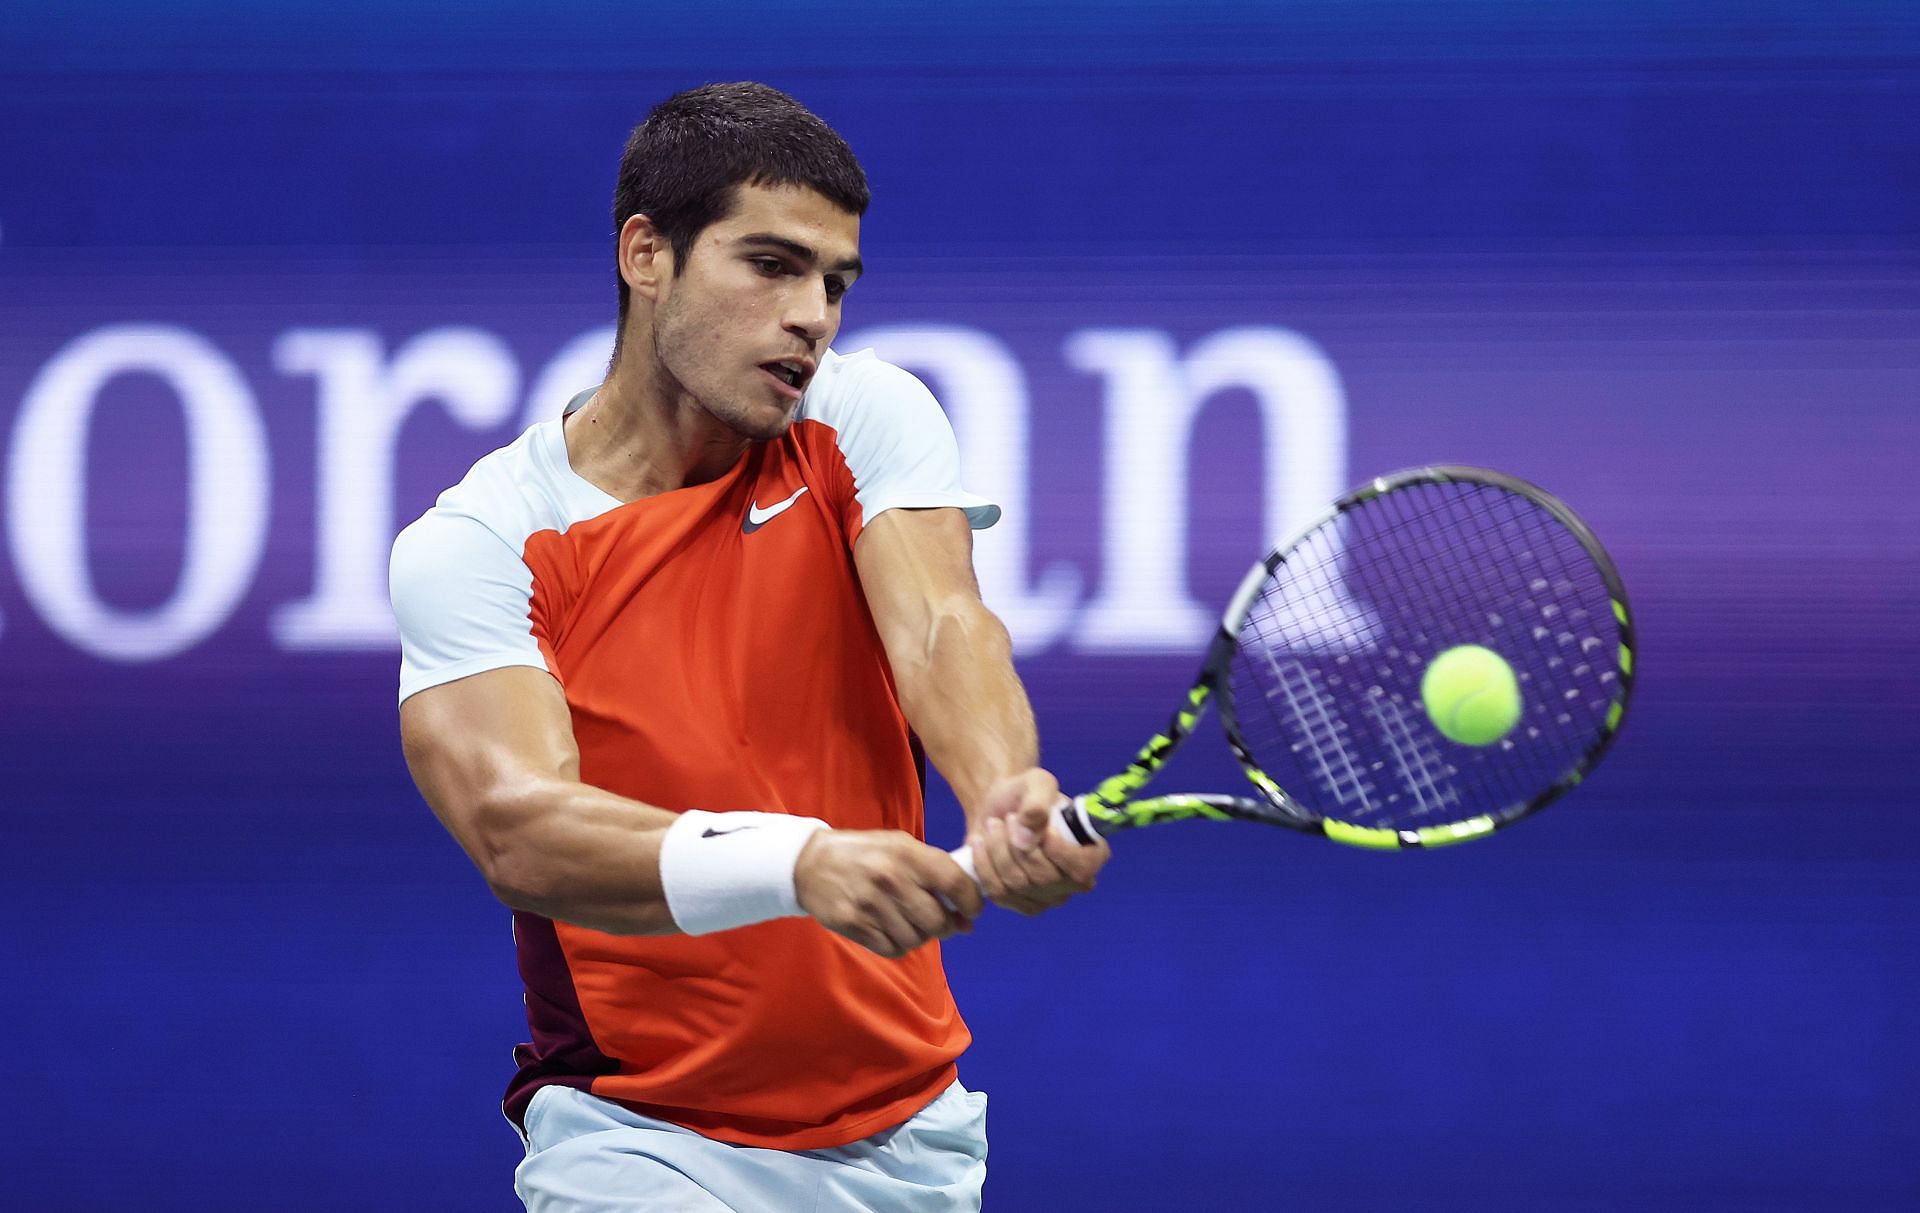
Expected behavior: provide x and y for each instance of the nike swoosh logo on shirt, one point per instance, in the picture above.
(757, 517)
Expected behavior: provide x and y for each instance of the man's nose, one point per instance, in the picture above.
(808, 314)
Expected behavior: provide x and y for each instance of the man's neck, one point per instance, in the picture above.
(641, 435)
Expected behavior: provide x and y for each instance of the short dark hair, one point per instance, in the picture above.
(685, 163)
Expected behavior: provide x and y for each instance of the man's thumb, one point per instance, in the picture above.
(1029, 825)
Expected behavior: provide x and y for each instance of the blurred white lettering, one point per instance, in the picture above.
(1153, 396)
(979, 383)
(227, 490)
(363, 401)
(580, 364)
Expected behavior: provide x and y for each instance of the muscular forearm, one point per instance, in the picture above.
(970, 709)
(952, 664)
(961, 695)
(494, 755)
(576, 853)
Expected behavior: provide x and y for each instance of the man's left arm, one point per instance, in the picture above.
(952, 663)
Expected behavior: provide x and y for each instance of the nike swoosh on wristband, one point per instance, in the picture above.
(757, 517)
(710, 832)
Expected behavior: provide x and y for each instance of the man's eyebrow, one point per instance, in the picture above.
(801, 251)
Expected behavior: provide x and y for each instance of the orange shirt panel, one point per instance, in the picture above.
(711, 667)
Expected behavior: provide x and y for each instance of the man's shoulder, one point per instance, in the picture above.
(513, 491)
(498, 480)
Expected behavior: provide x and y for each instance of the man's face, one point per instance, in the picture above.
(742, 326)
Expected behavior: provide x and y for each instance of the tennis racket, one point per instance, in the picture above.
(1318, 667)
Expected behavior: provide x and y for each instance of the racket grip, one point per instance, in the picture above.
(1070, 821)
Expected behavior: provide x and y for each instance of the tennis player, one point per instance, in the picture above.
(668, 662)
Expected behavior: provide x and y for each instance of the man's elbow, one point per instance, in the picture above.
(499, 840)
(518, 883)
(523, 874)
(530, 889)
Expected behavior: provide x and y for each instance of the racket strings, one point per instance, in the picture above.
(1517, 534)
(1325, 689)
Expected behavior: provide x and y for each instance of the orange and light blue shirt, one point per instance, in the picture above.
(716, 652)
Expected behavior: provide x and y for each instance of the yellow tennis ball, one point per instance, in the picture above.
(1471, 694)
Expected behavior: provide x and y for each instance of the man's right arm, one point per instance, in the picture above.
(494, 756)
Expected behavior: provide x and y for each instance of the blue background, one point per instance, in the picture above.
(1661, 258)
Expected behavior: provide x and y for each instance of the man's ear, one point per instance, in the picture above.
(645, 258)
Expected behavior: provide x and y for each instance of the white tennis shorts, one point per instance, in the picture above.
(587, 1155)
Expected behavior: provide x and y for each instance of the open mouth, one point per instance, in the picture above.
(792, 375)
(790, 372)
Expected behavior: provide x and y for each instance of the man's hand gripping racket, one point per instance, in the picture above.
(1445, 651)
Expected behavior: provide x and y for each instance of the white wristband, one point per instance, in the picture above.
(726, 870)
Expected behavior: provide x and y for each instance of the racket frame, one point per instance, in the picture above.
(1111, 807)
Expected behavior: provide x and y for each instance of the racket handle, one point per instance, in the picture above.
(1070, 822)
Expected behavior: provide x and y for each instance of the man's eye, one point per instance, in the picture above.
(768, 266)
(835, 288)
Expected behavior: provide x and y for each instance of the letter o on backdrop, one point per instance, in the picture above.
(228, 487)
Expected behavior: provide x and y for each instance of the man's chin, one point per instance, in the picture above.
(756, 422)
(760, 424)
(775, 421)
